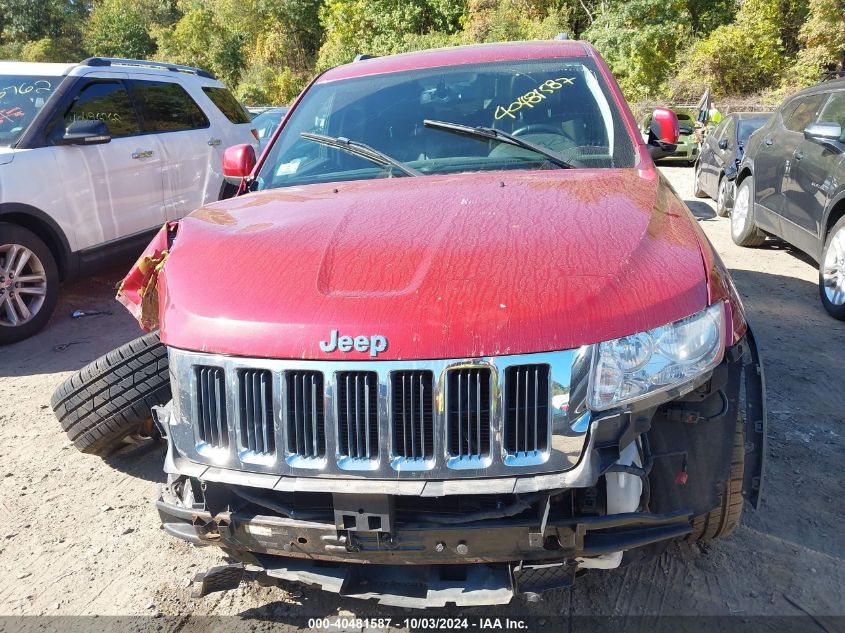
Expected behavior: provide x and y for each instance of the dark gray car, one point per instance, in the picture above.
(720, 154)
(791, 184)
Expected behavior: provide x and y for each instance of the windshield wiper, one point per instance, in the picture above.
(361, 150)
(497, 135)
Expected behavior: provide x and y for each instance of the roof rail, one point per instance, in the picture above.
(119, 61)
(831, 75)
(361, 57)
(562, 36)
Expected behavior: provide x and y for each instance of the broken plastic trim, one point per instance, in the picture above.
(756, 419)
(138, 292)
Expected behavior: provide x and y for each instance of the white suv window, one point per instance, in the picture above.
(166, 107)
(109, 102)
(227, 104)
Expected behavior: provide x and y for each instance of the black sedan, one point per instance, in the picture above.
(721, 152)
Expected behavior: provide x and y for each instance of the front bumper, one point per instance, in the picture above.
(685, 152)
(384, 539)
(463, 564)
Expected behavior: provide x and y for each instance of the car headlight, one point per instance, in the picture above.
(635, 366)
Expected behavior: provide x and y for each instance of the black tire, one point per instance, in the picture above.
(744, 231)
(111, 398)
(14, 235)
(697, 191)
(722, 208)
(834, 310)
(723, 519)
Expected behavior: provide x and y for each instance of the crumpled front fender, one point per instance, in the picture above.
(138, 291)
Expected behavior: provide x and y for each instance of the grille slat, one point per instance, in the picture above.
(526, 409)
(358, 414)
(412, 411)
(478, 413)
(255, 407)
(468, 406)
(413, 427)
(212, 425)
(304, 415)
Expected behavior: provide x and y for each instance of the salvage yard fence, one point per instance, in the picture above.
(726, 106)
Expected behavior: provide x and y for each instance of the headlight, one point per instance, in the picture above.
(632, 367)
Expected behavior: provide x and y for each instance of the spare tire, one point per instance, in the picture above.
(110, 399)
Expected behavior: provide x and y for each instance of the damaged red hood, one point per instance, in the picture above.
(439, 266)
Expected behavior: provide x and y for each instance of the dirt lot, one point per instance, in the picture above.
(81, 536)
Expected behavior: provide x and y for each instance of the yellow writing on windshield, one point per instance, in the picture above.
(533, 97)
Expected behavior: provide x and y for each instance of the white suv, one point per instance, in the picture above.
(93, 157)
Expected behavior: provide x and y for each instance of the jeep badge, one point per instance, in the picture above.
(375, 343)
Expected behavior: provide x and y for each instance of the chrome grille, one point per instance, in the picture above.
(255, 411)
(304, 415)
(466, 423)
(357, 414)
(468, 412)
(412, 414)
(212, 421)
(526, 409)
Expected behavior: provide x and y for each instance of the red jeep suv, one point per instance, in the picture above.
(456, 340)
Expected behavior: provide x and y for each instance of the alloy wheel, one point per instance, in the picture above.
(833, 269)
(23, 285)
(739, 214)
(722, 200)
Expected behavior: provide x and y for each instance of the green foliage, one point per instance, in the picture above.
(793, 15)
(707, 15)
(381, 27)
(48, 49)
(121, 29)
(200, 38)
(261, 85)
(639, 40)
(43, 30)
(512, 20)
(268, 50)
(28, 20)
(823, 39)
(742, 57)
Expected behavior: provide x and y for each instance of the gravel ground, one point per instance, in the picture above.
(81, 535)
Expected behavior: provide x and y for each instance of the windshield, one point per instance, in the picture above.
(560, 104)
(21, 97)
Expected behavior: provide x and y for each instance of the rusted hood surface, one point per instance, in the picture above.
(441, 266)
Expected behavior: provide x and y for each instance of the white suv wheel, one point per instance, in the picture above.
(23, 285)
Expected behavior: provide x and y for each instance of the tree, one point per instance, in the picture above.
(121, 29)
(822, 37)
(46, 30)
(199, 38)
(639, 40)
(509, 20)
(708, 15)
(382, 27)
(742, 57)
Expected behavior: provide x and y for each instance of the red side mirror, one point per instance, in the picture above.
(664, 125)
(238, 162)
